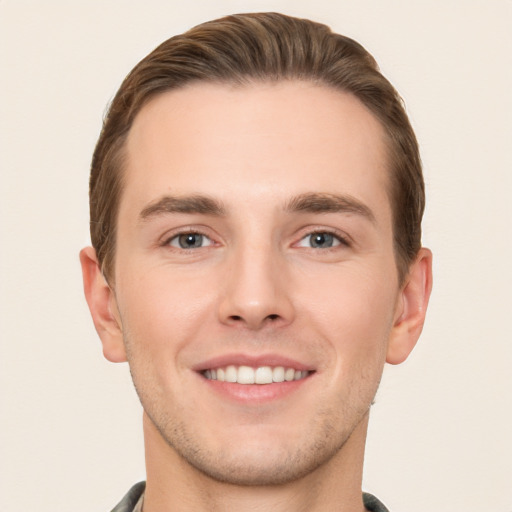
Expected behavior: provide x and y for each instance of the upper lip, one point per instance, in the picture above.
(254, 361)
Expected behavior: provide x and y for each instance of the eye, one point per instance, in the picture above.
(189, 241)
(321, 240)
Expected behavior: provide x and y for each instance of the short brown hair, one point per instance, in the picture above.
(247, 48)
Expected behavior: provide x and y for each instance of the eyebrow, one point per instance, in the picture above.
(314, 202)
(329, 203)
(186, 204)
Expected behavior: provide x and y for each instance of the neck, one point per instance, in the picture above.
(174, 484)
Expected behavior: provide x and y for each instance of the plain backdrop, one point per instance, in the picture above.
(440, 434)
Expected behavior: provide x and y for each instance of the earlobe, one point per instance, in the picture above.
(411, 308)
(102, 305)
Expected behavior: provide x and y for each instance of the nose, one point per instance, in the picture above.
(256, 290)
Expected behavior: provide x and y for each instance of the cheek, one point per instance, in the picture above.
(161, 314)
(355, 315)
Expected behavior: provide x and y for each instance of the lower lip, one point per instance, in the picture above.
(255, 393)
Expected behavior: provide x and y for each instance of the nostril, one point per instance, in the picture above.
(238, 318)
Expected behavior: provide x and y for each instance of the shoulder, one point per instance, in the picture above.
(372, 504)
(127, 504)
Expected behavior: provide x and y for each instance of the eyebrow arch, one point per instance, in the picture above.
(183, 204)
(329, 203)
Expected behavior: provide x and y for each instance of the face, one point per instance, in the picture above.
(256, 289)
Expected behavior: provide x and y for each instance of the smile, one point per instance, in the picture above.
(260, 375)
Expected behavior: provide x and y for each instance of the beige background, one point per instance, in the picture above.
(440, 436)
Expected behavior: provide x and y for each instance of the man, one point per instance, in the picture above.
(256, 200)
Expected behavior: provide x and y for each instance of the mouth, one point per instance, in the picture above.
(261, 375)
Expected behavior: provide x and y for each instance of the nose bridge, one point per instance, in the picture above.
(256, 288)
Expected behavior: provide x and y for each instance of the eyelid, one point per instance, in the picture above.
(343, 238)
(175, 241)
(165, 240)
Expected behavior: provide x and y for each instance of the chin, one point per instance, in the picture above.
(265, 457)
(263, 468)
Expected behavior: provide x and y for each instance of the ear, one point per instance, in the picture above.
(103, 307)
(411, 308)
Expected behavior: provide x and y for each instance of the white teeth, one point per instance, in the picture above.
(289, 374)
(260, 375)
(278, 374)
(263, 375)
(245, 375)
(231, 374)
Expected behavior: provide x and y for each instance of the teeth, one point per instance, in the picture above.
(278, 374)
(231, 374)
(289, 374)
(245, 375)
(263, 375)
(260, 375)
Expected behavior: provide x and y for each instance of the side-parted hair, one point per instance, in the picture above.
(251, 48)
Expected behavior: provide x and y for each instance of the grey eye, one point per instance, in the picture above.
(190, 241)
(320, 240)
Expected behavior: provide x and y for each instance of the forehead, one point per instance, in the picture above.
(254, 141)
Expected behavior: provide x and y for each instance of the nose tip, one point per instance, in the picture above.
(256, 295)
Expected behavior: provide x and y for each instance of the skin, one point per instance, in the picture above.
(256, 287)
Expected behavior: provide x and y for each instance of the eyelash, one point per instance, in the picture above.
(168, 240)
(342, 240)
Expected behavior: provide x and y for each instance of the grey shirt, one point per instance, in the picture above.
(132, 502)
